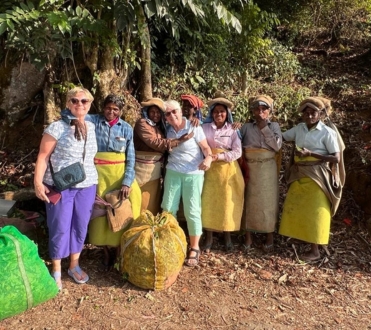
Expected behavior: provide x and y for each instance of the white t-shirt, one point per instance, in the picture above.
(186, 157)
(320, 139)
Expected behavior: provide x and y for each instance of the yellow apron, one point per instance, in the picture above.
(110, 178)
(222, 196)
(306, 212)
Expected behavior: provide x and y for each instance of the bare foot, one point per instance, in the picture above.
(267, 248)
(248, 239)
(310, 256)
(208, 242)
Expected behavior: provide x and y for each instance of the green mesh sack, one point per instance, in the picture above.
(153, 250)
(24, 279)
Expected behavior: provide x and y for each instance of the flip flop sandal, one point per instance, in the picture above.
(246, 248)
(77, 270)
(57, 279)
(196, 257)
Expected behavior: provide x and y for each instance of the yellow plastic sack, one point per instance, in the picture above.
(153, 251)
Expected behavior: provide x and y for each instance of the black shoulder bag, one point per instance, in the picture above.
(71, 175)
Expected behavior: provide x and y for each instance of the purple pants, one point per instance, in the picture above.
(68, 221)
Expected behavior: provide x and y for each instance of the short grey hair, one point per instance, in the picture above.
(172, 104)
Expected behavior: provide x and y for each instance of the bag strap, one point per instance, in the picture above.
(83, 153)
(118, 204)
(100, 201)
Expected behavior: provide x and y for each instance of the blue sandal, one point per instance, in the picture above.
(78, 270)
(57, 278)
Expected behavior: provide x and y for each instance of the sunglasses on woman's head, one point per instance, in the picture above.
(76, 101)
(167, 114)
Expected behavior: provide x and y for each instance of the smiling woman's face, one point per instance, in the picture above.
(219, 115)
(173, 116)
(111, 111)
(154, 113)
(79, 105)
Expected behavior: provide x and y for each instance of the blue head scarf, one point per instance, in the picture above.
(162, 123)
(209, 118)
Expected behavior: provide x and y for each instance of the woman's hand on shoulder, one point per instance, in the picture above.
(195, 122)
(236, 126)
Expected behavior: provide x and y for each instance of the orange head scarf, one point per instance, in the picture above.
(196, 103)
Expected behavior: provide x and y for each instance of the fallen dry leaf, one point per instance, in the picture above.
(149, 297)
(265, 275)
(282, 279)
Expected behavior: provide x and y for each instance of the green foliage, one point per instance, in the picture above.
(279, 65)
(6, 186)
(41, 29)
(336, 23)
(253, 41)
(286, 100)
(211, 57)
(172, 13)
(287, 96)
(198, 46)
(64, 87)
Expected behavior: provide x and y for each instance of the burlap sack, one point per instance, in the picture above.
(119, 214)
(147, 166)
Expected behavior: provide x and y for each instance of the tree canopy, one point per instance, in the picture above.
(165, 47)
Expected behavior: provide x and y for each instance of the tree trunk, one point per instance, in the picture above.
(120, 64)
(19, 83)
(108, 82)
(145, 89)
(49, 99)
(244, 86)
(51, 109)
(91, 57)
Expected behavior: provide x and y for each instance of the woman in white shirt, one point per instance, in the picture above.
(313, 196)
(185, 174)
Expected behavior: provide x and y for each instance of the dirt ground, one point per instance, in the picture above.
(226, 291)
